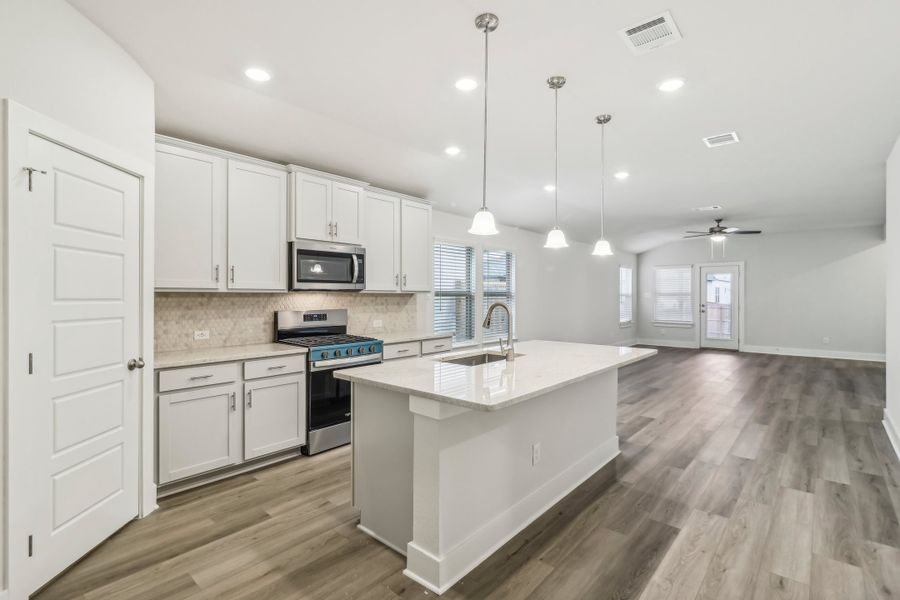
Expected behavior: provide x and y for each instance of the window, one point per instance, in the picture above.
(498, 285)
(672, 303)
(625, 296)
(454, 291)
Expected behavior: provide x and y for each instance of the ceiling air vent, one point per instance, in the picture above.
(722, 139)
(707, 208)
(651, 34)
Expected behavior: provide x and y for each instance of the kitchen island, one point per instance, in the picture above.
(451, 460)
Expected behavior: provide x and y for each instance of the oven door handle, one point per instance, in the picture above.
(337, 363)
(355, 268)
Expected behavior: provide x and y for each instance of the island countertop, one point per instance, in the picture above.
(542, 367)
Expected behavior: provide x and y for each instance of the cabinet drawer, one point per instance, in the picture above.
(438, 345)
(280, 365)
(191, 377)
(401, 350)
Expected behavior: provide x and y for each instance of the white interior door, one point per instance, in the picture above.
(719, 307)
(74, 439)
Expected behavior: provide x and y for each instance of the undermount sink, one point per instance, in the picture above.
(473, 360)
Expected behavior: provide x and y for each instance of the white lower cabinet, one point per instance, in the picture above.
(274, 415)
(204, 428)
(199, 430)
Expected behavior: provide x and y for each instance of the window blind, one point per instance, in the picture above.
(625, 295)
(498, 285)
(672, 303)
(454, 291)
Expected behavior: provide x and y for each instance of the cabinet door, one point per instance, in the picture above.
(382, 239)
(257, 228)
(274, 415)
(190, 219)
(312, 207)
(415, 247)
(199, 430)
(346, 212)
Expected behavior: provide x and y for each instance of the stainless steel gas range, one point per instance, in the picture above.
(324, 333)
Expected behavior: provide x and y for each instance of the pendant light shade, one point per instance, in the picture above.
(483, 221)
(556, 238)
(602, 247)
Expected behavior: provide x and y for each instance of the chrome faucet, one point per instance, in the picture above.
(510, 351)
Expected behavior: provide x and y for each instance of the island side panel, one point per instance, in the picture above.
(383, 464)
(486, 488)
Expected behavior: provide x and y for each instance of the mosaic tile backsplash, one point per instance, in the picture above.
(237, 319)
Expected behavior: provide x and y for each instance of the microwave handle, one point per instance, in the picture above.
(355, 268)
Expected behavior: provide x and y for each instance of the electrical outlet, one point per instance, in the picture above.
(535, 453)
(377, 323)
(201, 334)
(826, 340)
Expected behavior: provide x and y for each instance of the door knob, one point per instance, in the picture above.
(135, 363)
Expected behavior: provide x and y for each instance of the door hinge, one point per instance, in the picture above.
(30, 546)
(30, 363)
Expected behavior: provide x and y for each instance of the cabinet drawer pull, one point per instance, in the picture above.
(402, 351)
(197, 377)
(233, 401)
(276, 367)
(439, 345)
(249, 398)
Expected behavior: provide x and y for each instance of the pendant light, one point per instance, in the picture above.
(602, 247)
(483, 222)
(556, 238)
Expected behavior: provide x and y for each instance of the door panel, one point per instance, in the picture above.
(719, 306)
(191, 190)
(415, 247)
(382, 239)
(274, 415)
(78, 424)
(312, 207)
(346, 205)
(257, 228)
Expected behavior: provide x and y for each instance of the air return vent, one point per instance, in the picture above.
(722, 139)
(651, 34)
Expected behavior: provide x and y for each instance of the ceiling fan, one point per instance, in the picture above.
(718, 232)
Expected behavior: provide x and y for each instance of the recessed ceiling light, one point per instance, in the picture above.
(621, 175)
(451, 150)
(670, 85)
(257, 74)
(549, 187)
(466, 84)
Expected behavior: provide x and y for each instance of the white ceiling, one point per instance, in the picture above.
(365, 89)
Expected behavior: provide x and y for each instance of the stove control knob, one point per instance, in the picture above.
(324, 353)
(361, 350)
(349, 351)
(371, 348)
(337, 352)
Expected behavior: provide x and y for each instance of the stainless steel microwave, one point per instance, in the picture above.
(326, 266)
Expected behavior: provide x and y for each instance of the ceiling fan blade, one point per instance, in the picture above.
(747, 231)
(697, 235)
(731, 230)
(703, 232)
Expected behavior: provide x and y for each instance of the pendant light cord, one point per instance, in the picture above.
(484, 149)
(556, 152)
(602, 177)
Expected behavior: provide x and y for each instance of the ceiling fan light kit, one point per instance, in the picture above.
(483, 221)
(718, 235)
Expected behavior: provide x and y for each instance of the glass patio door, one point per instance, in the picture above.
(719, 306)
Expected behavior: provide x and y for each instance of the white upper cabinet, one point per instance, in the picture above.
(382, 240)
(329, 210)
(415, 246)
(190, 218)
(312, 207)
(347, 212)
(257, 227)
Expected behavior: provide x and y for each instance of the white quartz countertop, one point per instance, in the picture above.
(542, 367)
(202, 356)
(399, 337)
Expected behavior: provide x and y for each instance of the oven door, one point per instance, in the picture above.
(327, 267)
(329, 397)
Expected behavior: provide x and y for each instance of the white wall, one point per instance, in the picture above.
(800, 288)
(56, 62)
(892, 412)
(564, 294)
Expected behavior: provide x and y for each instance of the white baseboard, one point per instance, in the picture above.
(439, 573)
(667, 343)
(814, 353)
(892, 433)
(371, 533)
